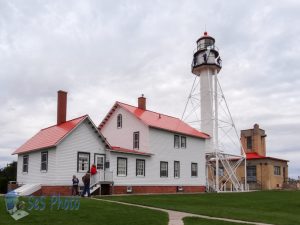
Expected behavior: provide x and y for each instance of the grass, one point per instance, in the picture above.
(91, 212)
(276, 207)
(200, 221)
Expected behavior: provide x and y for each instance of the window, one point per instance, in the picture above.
(249, 142)
(183, 142)
(121, 167)
(176, 169)
(99, 161)
(163, 169)
(179, 141)
(44, 161)
(140, 167)
(194, 170)
(277, 170)
(136, 140)
(119, 121)
(221, 171)
(176, 141)
(25, 163)
(83, 161)
(251, 173)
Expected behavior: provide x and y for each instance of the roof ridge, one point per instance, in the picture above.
(86, 115)
(178, 122)
(151, 111)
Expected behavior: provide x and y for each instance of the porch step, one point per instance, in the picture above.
(94, 188)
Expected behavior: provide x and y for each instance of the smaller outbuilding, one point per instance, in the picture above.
(263, 172)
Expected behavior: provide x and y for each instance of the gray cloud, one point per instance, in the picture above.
(103, 51)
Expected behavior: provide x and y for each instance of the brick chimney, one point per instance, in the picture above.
(142, 102)
(61, 107)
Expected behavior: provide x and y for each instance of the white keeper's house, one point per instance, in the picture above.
(135, 151)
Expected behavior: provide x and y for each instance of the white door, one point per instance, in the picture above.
(99, 162)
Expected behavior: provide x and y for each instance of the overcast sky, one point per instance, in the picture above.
(104, 51)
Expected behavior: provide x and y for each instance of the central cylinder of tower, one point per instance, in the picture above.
(207, 101)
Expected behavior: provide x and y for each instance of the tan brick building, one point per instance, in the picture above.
(263, 172)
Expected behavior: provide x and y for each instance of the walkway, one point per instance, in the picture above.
(175, 217)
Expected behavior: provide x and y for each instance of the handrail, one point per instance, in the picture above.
(103, 176)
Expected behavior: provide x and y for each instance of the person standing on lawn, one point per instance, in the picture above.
(93, 174)
(75, 182)
(86, 181)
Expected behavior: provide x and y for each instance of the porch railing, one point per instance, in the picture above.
(106, 176)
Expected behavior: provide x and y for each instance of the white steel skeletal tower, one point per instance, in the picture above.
(206, 109)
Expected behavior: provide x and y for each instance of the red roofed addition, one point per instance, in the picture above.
(49, 137)
(158, 120)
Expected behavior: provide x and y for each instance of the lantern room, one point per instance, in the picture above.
(206, 56)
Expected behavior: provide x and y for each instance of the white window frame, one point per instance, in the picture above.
(194, 169)
(176, 169)
(163, 169)
(121, 167)
(176, 141)
(101, 165)
(45, 162)
(140, 167)
(86, 164)
(136, 140)
(25, 164)
(183, 143)
(119, 121)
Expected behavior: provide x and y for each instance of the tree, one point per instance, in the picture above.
(8, 173)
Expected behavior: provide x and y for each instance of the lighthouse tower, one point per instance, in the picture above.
(206, 65)
(205, 99)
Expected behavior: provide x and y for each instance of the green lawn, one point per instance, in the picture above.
(276, 207)
(200, 221)
(91, 212)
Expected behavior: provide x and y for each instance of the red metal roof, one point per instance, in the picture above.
(128, 151)
(49, 137)
(254, 155)
(158, 120)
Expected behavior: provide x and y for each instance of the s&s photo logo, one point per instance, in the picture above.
(14, 206)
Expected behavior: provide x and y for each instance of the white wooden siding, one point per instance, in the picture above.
(131, 178)
(162, 146)
(83, 139)
(62, 160)
(35, 175)
(123, 137)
